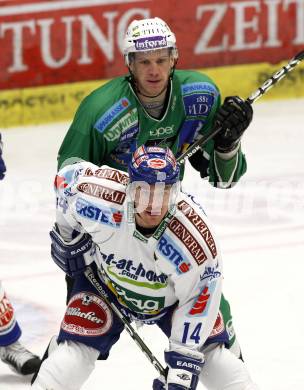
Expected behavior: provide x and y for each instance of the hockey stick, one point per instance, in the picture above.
(125, 320)
(269, 83)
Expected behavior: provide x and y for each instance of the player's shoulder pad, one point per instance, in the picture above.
(89, 180)
(107, 94)
(104, 183)
(69, 175)
(95, 194)
(196, 82)
(191, 227)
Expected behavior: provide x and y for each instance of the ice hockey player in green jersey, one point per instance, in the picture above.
(158, 105)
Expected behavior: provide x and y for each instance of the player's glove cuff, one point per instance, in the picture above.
(184, 367)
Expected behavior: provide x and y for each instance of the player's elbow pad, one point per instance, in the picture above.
(72, 257)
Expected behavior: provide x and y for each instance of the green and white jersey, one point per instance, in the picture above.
(111, 123)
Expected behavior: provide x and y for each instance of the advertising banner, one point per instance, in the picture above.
(62, 41)
(53, 53)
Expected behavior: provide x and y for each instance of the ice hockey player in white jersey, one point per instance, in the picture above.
(154, 254)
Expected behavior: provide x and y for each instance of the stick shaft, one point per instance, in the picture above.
(269, 83)
(132, 332)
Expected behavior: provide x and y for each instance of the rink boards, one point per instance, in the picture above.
(55, 103)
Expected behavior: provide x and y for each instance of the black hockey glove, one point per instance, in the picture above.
(2, 165)
(234, 116)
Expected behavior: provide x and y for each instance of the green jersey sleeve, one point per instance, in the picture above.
(220, 172)
(225, 173)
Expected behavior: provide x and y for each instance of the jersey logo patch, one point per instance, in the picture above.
(183, 234)
(162, 132)
(105, 193)
(111, 114)
(129, 134)
(199, 87)
(121, 127)
(198, 105)
(202, 303)
(125, 271)
(210, 273)
(103, 215)
(199, 225)
(174, 254)
(64, 182)
(109, 174)
(139, 303)
(198, 98)
(87, 315)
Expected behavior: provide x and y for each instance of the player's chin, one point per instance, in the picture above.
(155, 219)
(156, 86)
(150, 220)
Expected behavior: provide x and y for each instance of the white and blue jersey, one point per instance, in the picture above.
(176, 272)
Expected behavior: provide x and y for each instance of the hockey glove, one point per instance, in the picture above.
(2, 165)
(234, 116)
(72, 257)
(184, 368)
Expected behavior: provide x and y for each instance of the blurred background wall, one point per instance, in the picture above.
(53, 53)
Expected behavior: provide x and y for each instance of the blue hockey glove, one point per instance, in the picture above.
(72, 257)
(2, 165)
(184, 368)
(159, 383)
(234, 116)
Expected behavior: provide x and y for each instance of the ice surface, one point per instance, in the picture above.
(260, 223)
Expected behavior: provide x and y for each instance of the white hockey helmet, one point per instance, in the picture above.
(147, 35)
